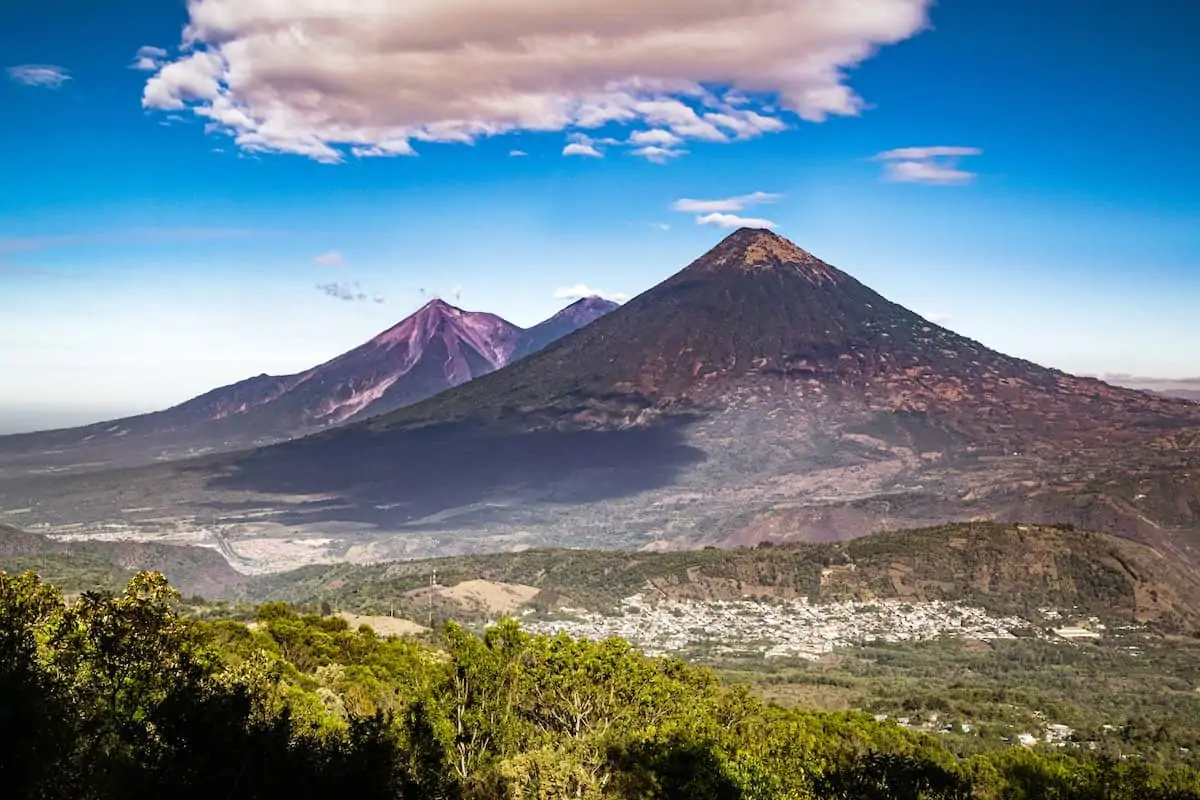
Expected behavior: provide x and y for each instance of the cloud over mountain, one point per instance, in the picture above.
(579, 291)
(320, 77)
(717, 212)
(730, 221)
(932, 165)
(728, 204)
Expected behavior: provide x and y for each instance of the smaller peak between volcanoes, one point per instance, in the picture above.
(757, 250)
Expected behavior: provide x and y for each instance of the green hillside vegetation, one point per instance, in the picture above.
(122, 697)
(1141, 700)
(72, 572)
(1006, 568)
(101, 565)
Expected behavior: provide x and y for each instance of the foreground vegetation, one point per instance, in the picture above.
(119, 696)
(1124, 702)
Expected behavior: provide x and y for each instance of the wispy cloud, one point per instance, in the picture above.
(658, 136)
(659, 155)
(517, 153)
(332, 258)
(937, 166)
(349, 291)
(399, 147)
(577, 149)
(46, 76)
(936, 317)
(579, 291)
(733, 221)
(148, 58)
(728, 204)
(657, 145)
(301, 78)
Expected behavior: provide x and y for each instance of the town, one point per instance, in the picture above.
(774, 628)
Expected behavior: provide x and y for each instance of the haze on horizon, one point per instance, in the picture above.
(184, 218)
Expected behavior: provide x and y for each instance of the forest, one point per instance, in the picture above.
(124, 695)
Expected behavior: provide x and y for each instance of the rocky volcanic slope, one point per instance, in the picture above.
(758, 393)
(436, 348)
(759, 314)
(575, 316)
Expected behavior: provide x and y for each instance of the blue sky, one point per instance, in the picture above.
(162, 227)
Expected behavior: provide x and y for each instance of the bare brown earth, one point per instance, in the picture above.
(384, 626)
(490, 597)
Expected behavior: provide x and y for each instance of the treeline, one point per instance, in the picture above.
(122, 697)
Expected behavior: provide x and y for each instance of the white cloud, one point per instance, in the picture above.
(745, 124)
(517, 153)
(148, 58)
(319, 77)
(656, 137)
(932, 165)
(657, 145)
(662, 226)
(577, 149)
(46, 76)
(925, 153)
(580, 291)
(400, 147)
(936, 317)
(734, 221)
(333, 258)
(658, 155)
(728, 204)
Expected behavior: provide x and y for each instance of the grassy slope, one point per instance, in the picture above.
(85, 566)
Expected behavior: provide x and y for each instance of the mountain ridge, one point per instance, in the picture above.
(437, 347)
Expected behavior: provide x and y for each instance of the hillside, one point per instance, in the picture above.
(108, 565)
(1012, 569)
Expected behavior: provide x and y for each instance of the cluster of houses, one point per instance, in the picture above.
(778, 628)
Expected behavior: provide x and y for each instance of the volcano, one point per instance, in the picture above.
(758, 394)
(757, 320)
(438, 347)
(582, 312)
